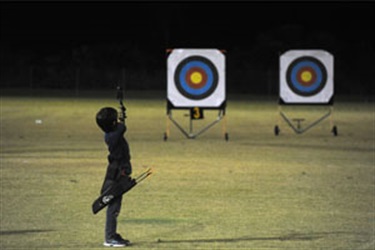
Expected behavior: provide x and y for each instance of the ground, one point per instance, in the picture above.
(255, 191)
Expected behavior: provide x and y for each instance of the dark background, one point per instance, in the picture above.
(98, 45)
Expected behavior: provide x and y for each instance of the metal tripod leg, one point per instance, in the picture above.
(190, 134)
(299, 130)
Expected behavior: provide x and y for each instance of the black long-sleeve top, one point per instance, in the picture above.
(118, 147)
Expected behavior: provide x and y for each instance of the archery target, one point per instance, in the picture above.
(196, 78)
(306, 76)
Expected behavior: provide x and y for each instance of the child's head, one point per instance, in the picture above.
(106, 119)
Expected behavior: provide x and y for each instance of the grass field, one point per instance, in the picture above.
(255, 191)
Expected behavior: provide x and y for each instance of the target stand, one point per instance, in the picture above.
(306, 78)
(195, 114)
(196, 82)
(296, 124)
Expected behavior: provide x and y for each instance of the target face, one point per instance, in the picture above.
(196, 78)
(306, 76)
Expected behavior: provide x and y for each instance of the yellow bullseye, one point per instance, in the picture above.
(306, 76)
(196, 78)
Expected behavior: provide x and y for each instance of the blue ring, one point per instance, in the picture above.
(292, 76)
(297, 84)
(185, 85)
(204, 90)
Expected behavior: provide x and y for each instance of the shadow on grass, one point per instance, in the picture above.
(289, 237)
(17, 232)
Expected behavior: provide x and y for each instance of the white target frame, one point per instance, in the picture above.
(177, 98)
(306, 77)
(324, 95)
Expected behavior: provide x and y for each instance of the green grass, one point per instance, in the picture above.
(255, 191)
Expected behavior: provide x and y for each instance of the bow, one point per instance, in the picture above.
(120, 97)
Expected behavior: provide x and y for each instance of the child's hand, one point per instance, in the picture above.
(123, 173)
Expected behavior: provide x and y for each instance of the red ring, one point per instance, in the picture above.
(303, 82)
(196, 85)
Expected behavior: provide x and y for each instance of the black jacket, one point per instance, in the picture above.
(119, 155)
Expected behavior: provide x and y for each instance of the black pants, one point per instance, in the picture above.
(113, 210)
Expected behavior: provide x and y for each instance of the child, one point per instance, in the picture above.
(118, 164)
